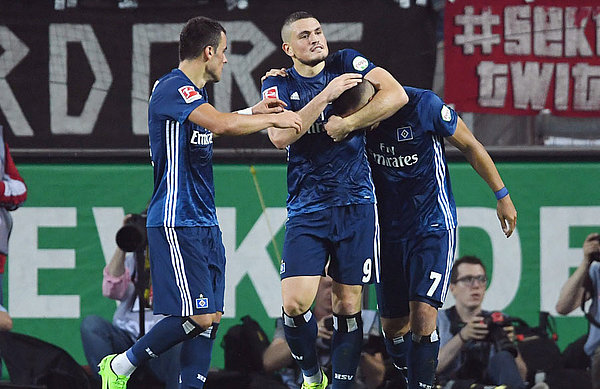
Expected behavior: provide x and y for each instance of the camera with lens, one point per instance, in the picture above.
(496, 321)
(132, 236)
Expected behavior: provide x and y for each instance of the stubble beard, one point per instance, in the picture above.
(313, 62)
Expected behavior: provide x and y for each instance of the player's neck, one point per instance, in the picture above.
(194, 71)
(307, 70)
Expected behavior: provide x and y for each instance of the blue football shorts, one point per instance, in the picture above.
(187, 265)
(348, 236)
(415, 269)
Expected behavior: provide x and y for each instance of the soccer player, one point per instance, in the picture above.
(331, 204)
(417, 216)
(187, 256)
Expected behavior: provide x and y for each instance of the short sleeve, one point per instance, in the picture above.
(176, 98)
(355, 62)
(274, 88)
(443, 118)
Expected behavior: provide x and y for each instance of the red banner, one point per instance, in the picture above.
(519, 57)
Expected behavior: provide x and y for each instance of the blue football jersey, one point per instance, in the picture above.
(184, 194)
(323, 173)
(407, 155)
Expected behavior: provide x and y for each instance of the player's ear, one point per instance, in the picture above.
(287, 49)
(208, 52)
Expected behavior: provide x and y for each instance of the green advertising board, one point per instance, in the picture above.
(64, 235)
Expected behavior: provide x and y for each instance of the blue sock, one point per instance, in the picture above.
(346, 346)
(423, 360)
(398, 349)
(164, 335)
(301, 335)
(195, 358)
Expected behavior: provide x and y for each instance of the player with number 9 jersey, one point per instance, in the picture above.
(332, 219)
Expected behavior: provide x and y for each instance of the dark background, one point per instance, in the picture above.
(400, 40)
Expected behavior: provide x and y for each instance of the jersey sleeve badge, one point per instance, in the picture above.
(446, 113)
(360, 63)
(189, 93)
(271, 93)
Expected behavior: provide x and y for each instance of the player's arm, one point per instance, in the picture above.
(390, 96)
(481, 161)
(266, 105)
(311, 111)
(222, 123)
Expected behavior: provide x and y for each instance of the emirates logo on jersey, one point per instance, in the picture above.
(189, 93)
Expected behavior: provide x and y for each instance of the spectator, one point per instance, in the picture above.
(465, 351)
(13, 194)
(584, 284)
(100, 337)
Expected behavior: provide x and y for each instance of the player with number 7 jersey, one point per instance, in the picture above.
(418, 220)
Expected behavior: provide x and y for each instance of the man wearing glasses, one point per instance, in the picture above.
(464, 351)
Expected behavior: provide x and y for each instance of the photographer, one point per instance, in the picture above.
(584, 284)
(100, 337)
(474, 344)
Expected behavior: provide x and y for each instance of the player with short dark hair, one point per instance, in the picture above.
(187, 256)
(331, 204)
(417, 215)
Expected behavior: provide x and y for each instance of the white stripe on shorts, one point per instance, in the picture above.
(179, 270)
(449, 262)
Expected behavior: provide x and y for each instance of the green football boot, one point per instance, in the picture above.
(110, 380)
(321, 385)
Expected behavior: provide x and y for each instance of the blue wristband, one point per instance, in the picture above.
(502, 193)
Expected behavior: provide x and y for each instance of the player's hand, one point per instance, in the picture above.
(287, 119)
(268, 106)
(507, 214)
(475, 329)
(340, 84)
(273, 73)
(336, 128)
